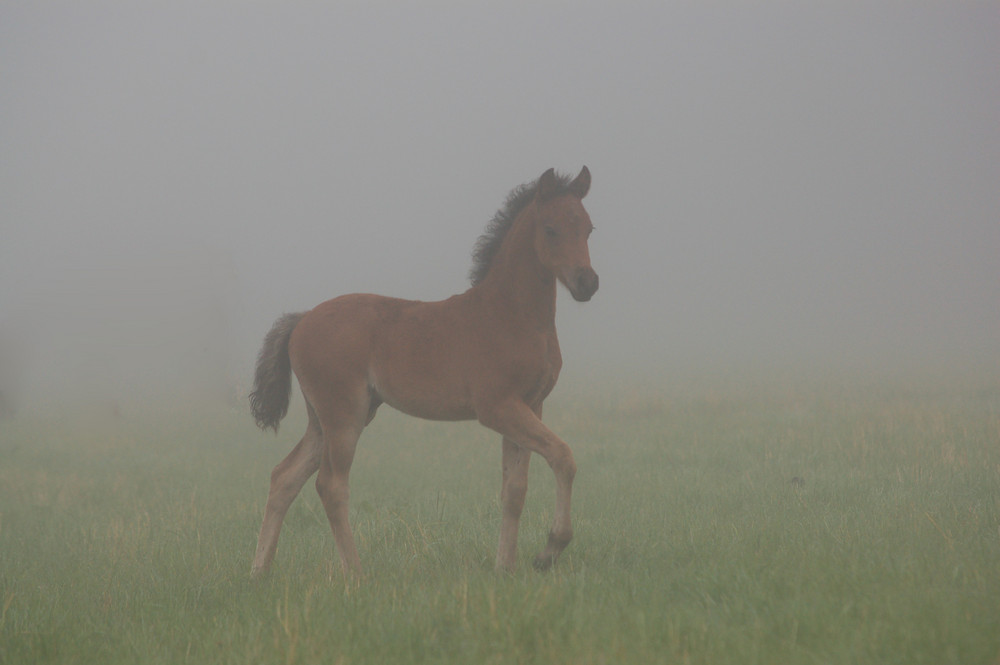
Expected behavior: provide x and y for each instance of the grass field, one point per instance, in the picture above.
(717, 521)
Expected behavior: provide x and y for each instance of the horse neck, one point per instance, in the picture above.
(517, 278)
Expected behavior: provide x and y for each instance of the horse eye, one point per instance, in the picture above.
(551, 233)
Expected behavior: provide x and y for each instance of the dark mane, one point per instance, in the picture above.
(489, 243)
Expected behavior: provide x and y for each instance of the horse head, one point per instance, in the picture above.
(562, 230)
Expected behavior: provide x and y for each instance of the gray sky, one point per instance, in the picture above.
(774, 183)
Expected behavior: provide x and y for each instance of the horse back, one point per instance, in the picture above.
(434, 360)
(406, 353)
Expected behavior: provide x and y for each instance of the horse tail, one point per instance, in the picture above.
(272, 381)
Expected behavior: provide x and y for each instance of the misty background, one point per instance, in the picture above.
(774, 183)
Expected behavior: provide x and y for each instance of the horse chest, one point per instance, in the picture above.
(534, 368)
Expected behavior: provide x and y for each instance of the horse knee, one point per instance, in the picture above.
(570, 470)
(563, 464)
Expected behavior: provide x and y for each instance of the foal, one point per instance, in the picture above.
(489, 354)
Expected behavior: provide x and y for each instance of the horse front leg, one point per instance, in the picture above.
(516, 421)
(512, 493)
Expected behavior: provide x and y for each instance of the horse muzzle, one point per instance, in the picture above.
(583, 286)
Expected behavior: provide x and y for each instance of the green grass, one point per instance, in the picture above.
(129, 540)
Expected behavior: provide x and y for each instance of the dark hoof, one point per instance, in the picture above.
(543, 562)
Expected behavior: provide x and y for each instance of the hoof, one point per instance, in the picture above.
(543, 562)
(556, 545)
(258, 573)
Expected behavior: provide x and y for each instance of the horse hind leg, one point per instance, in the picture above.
(333, 487)
(287, 480)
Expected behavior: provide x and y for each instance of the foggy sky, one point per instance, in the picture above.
(773, 183)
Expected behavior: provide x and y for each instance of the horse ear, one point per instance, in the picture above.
(581, 184)
(548, 184)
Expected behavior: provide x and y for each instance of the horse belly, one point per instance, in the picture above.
(429, 409)
(424, 394)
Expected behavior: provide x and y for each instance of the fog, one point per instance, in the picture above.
(774, 183)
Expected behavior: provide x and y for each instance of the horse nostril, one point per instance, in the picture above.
(586, 284)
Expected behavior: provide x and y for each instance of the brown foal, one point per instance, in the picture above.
(489, 354)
